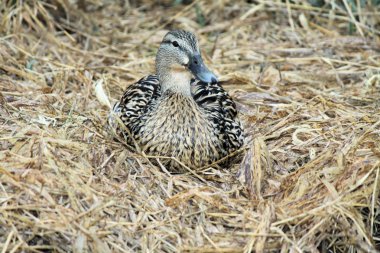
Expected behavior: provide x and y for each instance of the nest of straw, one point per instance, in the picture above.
(305, 76)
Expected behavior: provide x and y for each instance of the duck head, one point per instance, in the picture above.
(178, 60)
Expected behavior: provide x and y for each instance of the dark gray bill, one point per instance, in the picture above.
(200, 71)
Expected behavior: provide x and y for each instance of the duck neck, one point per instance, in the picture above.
(178, 82)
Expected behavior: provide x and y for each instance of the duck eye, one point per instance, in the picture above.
(175, 43)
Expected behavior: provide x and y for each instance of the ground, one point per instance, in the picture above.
(306, 81)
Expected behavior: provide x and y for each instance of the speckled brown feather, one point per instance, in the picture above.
(196, 130)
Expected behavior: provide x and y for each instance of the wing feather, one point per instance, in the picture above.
(222, 112)
(137, 99)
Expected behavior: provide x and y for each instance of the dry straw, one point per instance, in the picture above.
(306, 80)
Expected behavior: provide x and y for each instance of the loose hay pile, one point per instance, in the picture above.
(308, 93)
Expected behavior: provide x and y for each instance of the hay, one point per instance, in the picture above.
(306, 80)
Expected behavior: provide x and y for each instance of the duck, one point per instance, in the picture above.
(181, 112)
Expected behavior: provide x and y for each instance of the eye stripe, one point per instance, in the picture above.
(184, 49)
(171, 43)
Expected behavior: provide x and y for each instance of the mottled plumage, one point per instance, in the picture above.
(196, 126)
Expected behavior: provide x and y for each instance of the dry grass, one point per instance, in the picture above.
(308, 93)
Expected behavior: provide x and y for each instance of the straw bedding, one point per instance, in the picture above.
(306, 80)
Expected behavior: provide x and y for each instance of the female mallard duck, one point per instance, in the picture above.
(171, 114)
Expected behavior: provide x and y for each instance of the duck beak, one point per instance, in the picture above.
(200, 71)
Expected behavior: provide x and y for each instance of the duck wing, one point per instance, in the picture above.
(222, 112)
(213, 98)
(137, 99)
